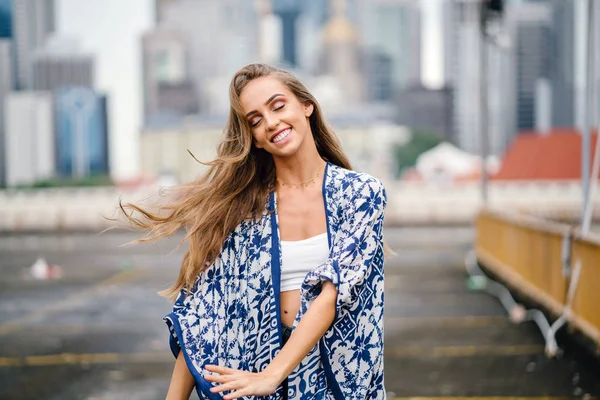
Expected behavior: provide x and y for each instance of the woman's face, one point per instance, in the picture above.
(278, 120)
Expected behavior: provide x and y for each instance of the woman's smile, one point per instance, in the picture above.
(282, 136)
(278, 121)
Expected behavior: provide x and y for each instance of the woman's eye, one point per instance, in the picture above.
(279, 107)
(255, 122)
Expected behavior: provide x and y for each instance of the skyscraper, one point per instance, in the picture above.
(215, 57)
(310, 24)
(530, 29)
(7, 61)
(7, 84)
(5, 18)
(520, 63)
(428, 110)
(450, 18)
(33, 21)
(29, 150)
(289, 12)
(53, 71)
(378, 68)
(562, 63)
(269, 33)
(81, 133)
(341, 54)
(393, 27)
(168, 86)
(466, 96)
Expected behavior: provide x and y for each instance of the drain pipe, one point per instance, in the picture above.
(517, 313)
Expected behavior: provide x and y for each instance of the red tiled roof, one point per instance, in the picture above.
(554, 156)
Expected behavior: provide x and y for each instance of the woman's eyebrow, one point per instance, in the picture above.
(266, 103)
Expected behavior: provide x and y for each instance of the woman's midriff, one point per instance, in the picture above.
(290, 304)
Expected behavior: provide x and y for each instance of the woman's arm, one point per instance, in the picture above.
(182, 382)
(310, 329)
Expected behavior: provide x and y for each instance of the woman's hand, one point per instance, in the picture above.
(242, 382)
(310, 329)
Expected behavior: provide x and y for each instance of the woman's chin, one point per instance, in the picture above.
(287, 150)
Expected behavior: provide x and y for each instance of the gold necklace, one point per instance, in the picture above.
(301, 184)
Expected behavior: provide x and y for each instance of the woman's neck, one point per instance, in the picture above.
(299, 171)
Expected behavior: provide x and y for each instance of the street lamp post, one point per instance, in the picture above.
(585, 60)
(489, 11)
(483, 96)
(588, 181)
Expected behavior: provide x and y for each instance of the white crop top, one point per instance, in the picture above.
(300, 257)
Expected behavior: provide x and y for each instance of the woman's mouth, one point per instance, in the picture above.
(281, 135)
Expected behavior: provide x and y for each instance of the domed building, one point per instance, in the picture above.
(340, 57)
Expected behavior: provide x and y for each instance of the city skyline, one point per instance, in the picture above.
(98, 26)
(416, 63)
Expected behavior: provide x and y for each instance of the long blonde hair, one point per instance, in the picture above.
(236, 185)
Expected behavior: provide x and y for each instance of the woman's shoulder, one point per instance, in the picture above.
(353, 178)
(353, 183)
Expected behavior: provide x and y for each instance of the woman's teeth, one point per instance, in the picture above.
(282, 135)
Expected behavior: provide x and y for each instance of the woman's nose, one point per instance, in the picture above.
(272, 121)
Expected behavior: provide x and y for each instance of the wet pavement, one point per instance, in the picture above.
(97, 332)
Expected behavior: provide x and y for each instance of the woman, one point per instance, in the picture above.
(280, 294)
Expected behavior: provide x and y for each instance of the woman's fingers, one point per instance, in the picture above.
(236, 395)
(221, 370)
(219, 378)
(226, 386)
(239, 383)
(241, 387)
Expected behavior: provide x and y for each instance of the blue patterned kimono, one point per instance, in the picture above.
(232, 316)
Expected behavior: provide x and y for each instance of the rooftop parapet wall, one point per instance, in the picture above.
(408, 203)
(538, 258)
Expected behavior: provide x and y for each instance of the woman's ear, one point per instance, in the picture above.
(308, 109)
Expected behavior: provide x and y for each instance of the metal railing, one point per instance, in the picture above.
(550, 263)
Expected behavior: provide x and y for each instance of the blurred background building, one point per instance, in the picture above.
(29, 141)
(381, 20)
(53, 124)
(380, 66)
(529, 26)
(81, 132)
(168, 85)
(7, 73)
(32, 22)
(561, 60)
(219, 36)
(60, 63)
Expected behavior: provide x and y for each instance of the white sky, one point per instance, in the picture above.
(111, 31)
(432, 65)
